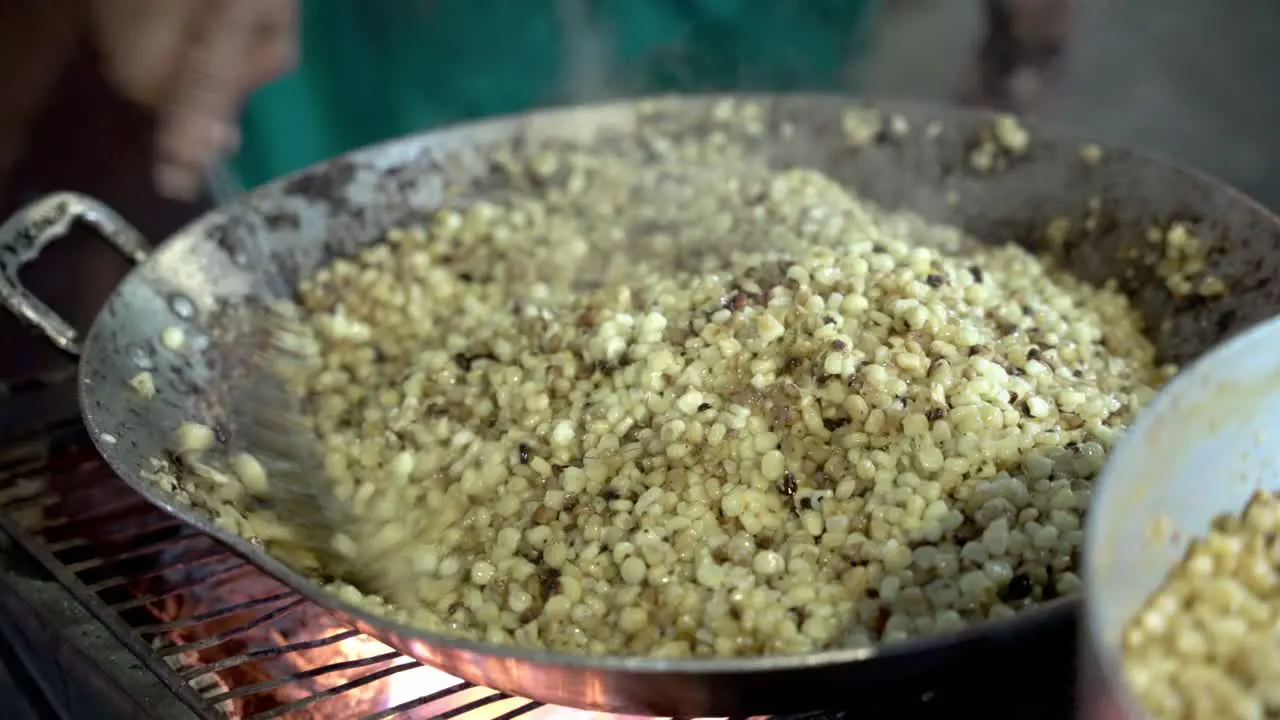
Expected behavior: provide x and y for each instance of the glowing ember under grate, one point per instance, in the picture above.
(246, 647)
(331, 660)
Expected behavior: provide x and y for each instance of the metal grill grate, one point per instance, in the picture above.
(130, 564)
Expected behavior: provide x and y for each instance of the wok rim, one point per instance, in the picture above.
(380, 626)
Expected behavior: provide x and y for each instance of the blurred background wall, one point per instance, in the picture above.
(1194, 80)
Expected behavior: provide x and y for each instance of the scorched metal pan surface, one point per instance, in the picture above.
(200, 280)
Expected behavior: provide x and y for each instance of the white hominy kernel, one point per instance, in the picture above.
(996, 537)
(689, 402)
(195, 437)
(1045, 537)
(861, 125)
(633, 619)
(890, 587)
(710, 574)
(833, 364)
(519, 600)
(998, 572)
(1037, 467)
(929, 459)
(571, 588)
(768, 328)
(402, 466)
(732, 504)
(768, 562)
(773, 465)
(812, 523)
(250, 472)
(948, 619)
(1011, 135)
(482, 573)
(345, 546)
(1069, 583)
(448, 567)
(975, 584)
(557, 607)
(633, 570)
(653, 325)
(507, 541)
(172, 338)
(562, 434)
(426, 561)
(896, 556)
(144, 384)
(1037, 407)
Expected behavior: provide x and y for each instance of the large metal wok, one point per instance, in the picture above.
(199, 277)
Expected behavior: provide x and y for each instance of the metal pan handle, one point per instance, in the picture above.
(24, 235)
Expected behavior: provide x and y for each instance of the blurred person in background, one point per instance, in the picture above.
(126, 100)
(281, 84)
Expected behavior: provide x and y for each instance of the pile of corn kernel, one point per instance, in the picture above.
(692, 406)
(1205, 644)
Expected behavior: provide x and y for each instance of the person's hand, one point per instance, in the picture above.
(1021, 55)
(195, 62)
(37, 42)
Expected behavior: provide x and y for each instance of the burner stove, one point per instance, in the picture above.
(124, 611)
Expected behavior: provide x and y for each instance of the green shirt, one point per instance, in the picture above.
(376, 69)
